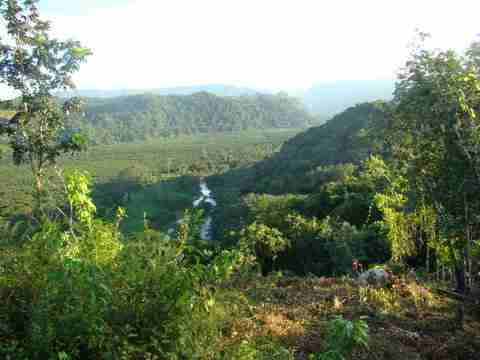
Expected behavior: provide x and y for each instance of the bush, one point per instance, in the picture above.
(313, 246)
(69, 295)
(263, 242)
(343, 337)
(320, 246)
(77, 289)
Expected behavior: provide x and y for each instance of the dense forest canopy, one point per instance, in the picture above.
(324, 100)
(143, 117)
(302, 162)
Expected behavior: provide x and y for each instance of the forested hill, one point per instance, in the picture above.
(314, 156)
(217, 89)
(142, 117)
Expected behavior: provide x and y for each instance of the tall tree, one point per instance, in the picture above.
(35, 64)
(473, 55)
(435, 131)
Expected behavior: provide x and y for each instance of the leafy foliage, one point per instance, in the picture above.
(379, 180)
(83, 291)
(435, 133)
(34, 64)
(145, 117)
(342, 338)
(305, 161)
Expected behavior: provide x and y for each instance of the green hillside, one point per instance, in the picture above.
(304, 161)
(143, 117)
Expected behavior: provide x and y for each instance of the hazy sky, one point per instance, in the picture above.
(270, 44)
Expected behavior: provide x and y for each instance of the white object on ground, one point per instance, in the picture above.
(374, 277)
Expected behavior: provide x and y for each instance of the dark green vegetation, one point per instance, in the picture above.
(116, 267)
(144, 117)
(127, 168)
(308, 160)
(324, 100)
(318, 233)
(385, 201)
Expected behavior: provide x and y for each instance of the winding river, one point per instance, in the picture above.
(205, 197)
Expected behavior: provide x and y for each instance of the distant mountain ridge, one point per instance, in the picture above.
(324, 100)
(215, 89)
(329, 99)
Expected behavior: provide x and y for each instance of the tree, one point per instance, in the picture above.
(435, 132)
(35, 65)
(264, 242)
(473, 55)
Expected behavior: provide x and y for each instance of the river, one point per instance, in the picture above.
(207, 198)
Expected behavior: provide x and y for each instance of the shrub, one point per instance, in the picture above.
(260, 349)
(76, 289)
(265, 243)
(343, 337)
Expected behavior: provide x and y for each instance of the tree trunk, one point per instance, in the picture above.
(460, 277)
(461, 289)
(428, 259)
(466, 252)
(39, 184)
(37, 174)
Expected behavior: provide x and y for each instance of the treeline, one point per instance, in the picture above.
(316, 194)
(319, 233)
(144, 117)
(396, 180)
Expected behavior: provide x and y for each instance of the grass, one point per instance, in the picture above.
(406, 321)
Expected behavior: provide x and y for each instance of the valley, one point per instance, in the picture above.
(307, 196)
(224, 222)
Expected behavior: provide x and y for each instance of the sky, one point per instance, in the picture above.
(264, 44)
